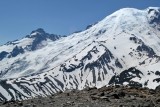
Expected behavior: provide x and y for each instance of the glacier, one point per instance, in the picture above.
(123, 48)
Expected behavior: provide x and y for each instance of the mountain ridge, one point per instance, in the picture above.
(122, 49)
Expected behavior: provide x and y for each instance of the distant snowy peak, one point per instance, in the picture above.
(39, 37)
(36, 37)
(40, 33)
(36, 40)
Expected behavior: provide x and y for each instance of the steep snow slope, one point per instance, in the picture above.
(123, 48)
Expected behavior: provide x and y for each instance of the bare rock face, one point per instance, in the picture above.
(154, 16)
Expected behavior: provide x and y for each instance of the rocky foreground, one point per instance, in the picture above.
(112, 96)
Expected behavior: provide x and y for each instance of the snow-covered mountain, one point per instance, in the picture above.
(123, 48)
(16, 58)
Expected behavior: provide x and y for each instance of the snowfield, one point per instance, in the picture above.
(123, 48)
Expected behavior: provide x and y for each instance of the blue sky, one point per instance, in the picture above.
(19, 17)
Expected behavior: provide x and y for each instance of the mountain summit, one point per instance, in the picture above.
(38, 31)
(123, 48)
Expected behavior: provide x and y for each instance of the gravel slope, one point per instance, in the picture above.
(117, 96)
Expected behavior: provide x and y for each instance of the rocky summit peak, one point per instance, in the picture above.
(38, 32)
